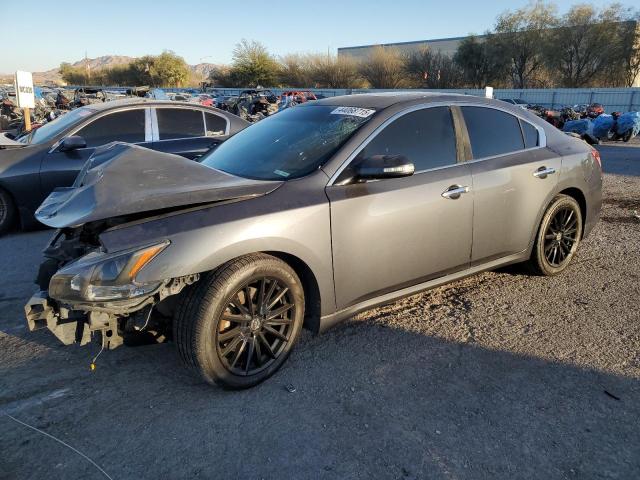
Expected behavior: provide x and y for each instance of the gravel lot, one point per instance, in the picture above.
(497, 376)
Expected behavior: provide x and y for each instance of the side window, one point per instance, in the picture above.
(127, 126)
(492, 132)
(530, 134)
(216, 125)
(426, 137)
(179, 123)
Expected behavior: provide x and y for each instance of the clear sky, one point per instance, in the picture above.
(206, 31)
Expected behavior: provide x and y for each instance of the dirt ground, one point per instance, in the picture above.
(501, 375)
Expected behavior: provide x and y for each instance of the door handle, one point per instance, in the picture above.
(454, 192)
(542, 172)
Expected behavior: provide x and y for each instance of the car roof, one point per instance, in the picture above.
(150, 102)
(147, 102)
(385, 99)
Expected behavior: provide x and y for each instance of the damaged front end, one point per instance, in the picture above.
(84, 289)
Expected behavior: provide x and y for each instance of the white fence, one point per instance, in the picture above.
(613, 99)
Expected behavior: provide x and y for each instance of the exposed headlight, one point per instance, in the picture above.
(99, 277)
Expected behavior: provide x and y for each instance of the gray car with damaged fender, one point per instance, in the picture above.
(304, 219)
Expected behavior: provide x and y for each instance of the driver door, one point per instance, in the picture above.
(394, 233)
(59, 169)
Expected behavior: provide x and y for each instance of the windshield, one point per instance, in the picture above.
(49, 130)
(290, 144)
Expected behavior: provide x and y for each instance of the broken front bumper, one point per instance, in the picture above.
(76, 323)
(71, 326)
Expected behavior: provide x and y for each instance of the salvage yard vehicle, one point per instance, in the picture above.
(348, 203)
(51, 156)
(516, 101)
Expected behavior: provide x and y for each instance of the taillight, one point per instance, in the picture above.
(596, 157)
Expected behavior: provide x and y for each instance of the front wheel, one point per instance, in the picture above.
(558, 237)
(237, 326)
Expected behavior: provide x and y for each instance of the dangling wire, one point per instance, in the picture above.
(62, 443)
(93, 362)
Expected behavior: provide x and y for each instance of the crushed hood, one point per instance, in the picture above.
(121, 179)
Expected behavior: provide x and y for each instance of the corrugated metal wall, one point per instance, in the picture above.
(614, 99)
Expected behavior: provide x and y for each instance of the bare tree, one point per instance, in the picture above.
(520, 36)
(629, 36)
(384, 68)
(253, 65)
(331, 71)
(581, 47)
(428, 69)
(295, 70)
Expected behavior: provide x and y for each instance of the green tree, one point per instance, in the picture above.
(220, 76)
(169, 70)
(481, 64)
(253, 65)
(73, 75)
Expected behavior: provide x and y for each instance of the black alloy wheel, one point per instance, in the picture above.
(238, 324)
(561, 235)
(255, 326)
(558, 237)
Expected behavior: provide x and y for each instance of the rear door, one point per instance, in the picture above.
(395, 233)
(514, 176)
(59, 169)
(187, 132)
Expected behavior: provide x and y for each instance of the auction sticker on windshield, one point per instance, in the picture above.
(353, 111)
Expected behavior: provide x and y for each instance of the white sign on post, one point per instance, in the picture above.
(24, 90)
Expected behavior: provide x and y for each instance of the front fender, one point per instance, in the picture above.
(202, 240)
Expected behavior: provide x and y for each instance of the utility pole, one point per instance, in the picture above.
(87, 67)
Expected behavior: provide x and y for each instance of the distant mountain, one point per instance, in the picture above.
(106, 61)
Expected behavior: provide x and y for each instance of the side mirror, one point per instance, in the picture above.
(73, 142)
(378, 167)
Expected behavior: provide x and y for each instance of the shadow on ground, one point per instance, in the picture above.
(370, 402)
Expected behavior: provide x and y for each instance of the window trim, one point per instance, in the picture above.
(156, 128)
(383, 125)
(542, 137)
(97, 116)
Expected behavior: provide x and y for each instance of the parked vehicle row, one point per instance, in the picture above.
(588, 121)
(304, 219)
(51, 156)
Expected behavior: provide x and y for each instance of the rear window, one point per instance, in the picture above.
(127, 126)
(530, 134)
(492, 132)
(176, 123)
(216, 125)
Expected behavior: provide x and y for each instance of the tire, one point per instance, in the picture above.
(558, 237)
(7, 212)
(215, 313)
(627, 135)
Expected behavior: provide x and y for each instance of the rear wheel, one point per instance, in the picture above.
(7, 212)
(237, 326)
(558, 237)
